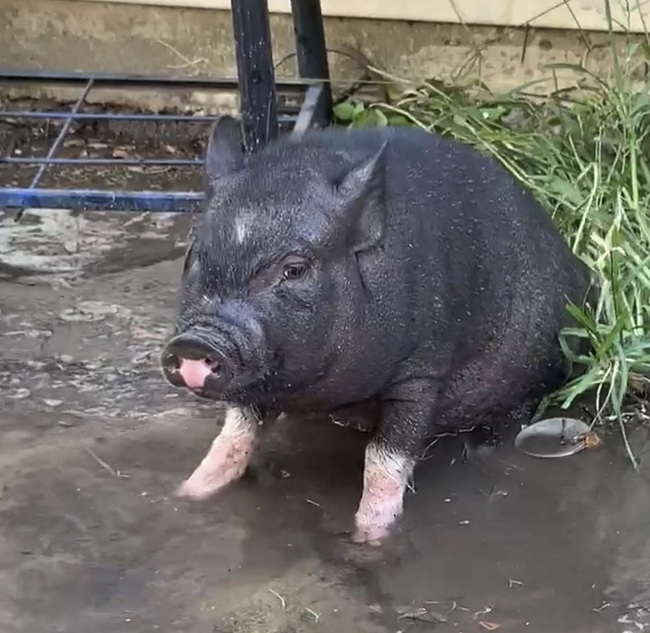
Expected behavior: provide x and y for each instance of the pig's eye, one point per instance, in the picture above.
(294, 271)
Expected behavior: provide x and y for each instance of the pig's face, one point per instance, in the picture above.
(271, 274)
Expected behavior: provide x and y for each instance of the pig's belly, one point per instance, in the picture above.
(362, 415)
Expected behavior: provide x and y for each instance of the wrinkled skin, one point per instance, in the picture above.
(386, 266)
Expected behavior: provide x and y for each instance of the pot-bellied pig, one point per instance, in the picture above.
(390, 266)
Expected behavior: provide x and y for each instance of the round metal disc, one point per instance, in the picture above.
(553, 437)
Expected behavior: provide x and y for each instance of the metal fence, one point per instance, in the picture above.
(268, 107)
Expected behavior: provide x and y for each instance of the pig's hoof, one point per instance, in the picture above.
(195, 491)
(372, 535)
(202, 486)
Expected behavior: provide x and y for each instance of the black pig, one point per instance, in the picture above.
(390, 266)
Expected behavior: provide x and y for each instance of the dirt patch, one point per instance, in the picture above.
(94, 443)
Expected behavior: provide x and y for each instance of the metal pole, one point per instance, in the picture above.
(255, 72)
(311, 51)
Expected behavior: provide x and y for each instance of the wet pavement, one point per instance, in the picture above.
(93, 443)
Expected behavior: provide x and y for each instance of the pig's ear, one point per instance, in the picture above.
(362, 208)
(225, 152)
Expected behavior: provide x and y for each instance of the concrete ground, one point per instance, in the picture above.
(94, 442)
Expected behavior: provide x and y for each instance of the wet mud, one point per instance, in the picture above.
(93, 443)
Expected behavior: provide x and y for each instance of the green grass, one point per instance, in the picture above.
(586, 156)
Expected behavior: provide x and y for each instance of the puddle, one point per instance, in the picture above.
(93, 445)
(96, 540)
(58, 245)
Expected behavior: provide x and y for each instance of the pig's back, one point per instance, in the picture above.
(478, 271)
(471, 281)
(508, 273)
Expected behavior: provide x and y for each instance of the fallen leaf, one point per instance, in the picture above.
(592, 440)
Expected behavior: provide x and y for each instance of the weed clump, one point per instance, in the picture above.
(585, 154)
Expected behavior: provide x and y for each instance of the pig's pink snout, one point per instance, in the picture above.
(189, 362)
(195, 372)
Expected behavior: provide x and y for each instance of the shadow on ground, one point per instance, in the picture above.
(93, 443)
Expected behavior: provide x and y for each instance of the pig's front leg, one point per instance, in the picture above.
(228, 457)
(391, 455)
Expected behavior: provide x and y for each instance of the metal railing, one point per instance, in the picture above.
(263, 114)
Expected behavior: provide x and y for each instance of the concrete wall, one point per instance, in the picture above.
(96, 36)
(551, 14)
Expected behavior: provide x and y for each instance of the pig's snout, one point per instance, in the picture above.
(193, 363)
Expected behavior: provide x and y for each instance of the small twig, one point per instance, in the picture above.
(187, 61)
(628, 448)
(313, 614)
(175, 51)
(194, 62)
(455, 606)
(279, 597)
(102, 463)
(485, 611)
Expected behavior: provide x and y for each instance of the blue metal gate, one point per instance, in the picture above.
(264, 115)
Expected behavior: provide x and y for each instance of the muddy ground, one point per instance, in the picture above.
(93, 443)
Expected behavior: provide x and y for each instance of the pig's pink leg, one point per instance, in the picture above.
(227, 458)
(385, 477)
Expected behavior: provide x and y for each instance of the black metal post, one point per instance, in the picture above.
(311, 51)
(255, 72)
